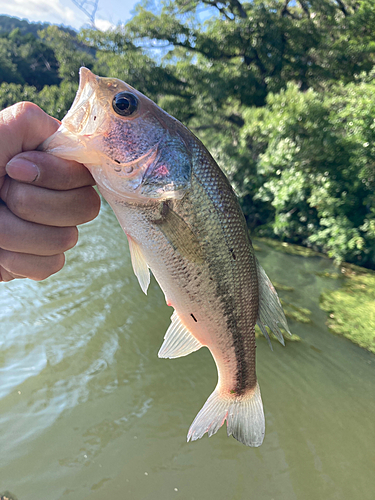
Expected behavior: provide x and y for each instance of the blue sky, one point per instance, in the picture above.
(110, 12)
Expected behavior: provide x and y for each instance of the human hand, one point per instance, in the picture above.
(42, 198)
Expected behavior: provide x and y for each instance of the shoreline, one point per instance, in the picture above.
(350, 308)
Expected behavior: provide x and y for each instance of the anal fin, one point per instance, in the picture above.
(178, 341)
(139, 264)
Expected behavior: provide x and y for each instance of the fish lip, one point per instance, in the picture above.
(86, 76)
(82, 105)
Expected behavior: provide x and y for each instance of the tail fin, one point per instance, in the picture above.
(244, 416)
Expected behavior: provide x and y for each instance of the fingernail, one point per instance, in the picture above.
(22, 170)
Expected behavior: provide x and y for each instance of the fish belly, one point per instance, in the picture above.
(216, 299)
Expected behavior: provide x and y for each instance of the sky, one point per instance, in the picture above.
(109, 13)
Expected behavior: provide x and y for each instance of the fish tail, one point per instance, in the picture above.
(244, 416)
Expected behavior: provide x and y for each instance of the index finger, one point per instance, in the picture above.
(48, 171)
(23, 127)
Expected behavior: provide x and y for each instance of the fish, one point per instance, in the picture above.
(183, 223)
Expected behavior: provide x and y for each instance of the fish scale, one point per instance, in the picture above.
(183, 222)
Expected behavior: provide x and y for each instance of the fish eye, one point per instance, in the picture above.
(125, 103)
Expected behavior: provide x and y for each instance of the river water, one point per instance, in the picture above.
(88, 411)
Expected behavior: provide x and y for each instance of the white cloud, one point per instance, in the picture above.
(104, 25)
(52, 11)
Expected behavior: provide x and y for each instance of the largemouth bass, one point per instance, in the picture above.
(184, 223)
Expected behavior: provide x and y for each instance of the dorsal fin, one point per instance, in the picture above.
(271, 313)
(178, 341)
(139, 263)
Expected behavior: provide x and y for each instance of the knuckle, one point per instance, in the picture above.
(5, 276)
(85, 205)
(93, 207)
(57, 263)
(8, 261)
(28, 110)
(17, 200)
(69, 238)
(3, 223)
(51, 265)
(70, 181)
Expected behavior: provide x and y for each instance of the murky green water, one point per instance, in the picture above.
(88, 411)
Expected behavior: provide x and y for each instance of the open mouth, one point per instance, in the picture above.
(82, 118)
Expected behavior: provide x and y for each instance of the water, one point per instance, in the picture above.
(88, 411)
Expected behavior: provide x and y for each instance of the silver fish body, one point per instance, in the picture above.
(184, 223)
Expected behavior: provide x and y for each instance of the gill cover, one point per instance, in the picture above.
(138, 155)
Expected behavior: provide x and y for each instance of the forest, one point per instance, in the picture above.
(280, 92)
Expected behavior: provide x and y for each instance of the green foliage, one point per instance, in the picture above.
(299, 314)
(291, 249)
(351, 308)
(317, 161)
(8, 24)
(280, 92)
(26, 59)
(43, 70)
(11, 93)
(57, 99)
(70, 53)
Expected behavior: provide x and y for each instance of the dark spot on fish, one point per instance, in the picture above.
(117, 161)
(94, 118)
(233, 254)
(164, 209)
(194, 318)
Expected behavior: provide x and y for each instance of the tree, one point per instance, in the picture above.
(26, 59)
(88, 7)
(281, 93)
(317, 160)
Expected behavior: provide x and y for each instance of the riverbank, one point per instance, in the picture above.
(351, 308)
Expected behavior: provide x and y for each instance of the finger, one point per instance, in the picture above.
(48, 171)
(48, 207)
(23, 127)
(18, 235)
(30, 266)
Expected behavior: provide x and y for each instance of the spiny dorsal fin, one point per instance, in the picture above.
(271, 313)
(139, 263)
(178, 341)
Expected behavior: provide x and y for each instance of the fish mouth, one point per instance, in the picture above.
(87, 76)
(82, 122)
(82, 117)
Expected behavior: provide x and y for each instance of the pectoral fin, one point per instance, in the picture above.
(139, 263)
(179, 234)
(178, 341)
